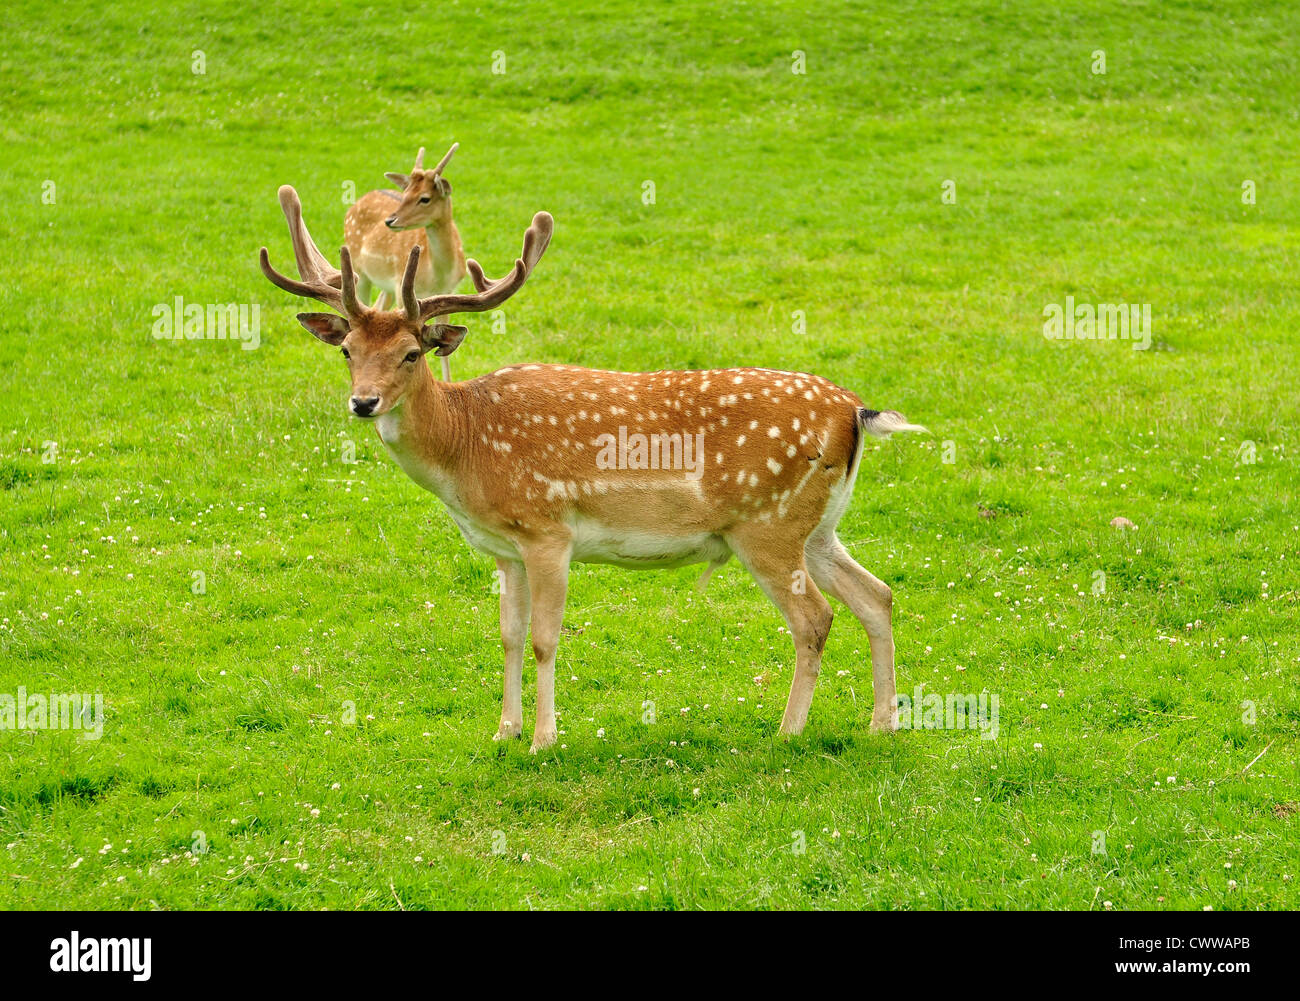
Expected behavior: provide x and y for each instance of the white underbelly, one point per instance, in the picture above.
(594, 542)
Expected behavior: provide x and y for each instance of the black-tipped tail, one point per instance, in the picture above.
(883, 423)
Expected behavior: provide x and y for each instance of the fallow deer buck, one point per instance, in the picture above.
(380, 237)
(542, 465)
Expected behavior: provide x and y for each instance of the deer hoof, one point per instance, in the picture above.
(884, 724)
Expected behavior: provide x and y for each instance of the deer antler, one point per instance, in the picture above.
(320, 279)
(445, 160)
(409, 302)
(492, 293)
(403, 180)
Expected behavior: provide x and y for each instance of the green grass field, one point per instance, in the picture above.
(1147, 678)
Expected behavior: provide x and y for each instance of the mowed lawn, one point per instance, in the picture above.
(299, 655)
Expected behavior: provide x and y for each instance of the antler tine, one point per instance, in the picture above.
(409, 301)
(481, 281)
(492, 294)
(349, 289)
(320, 279)
(295, 287)
(419, 159)
(536, 240)
(446, 159)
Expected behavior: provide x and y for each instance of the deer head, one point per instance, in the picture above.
(384, 348)
(425, 198)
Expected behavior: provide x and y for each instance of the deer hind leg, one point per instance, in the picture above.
(782, 573)
(446, 368)
(513, 581)
(547, 566)
(871, 601)
(364, 288)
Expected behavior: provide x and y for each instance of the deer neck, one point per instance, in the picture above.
(444, 247)
(425, 433)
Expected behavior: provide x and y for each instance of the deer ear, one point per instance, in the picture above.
(401, 180)
(442, 338)
(444, 186)
(328, 327)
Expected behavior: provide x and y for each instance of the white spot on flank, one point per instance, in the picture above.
(774, 432)
(773, 465)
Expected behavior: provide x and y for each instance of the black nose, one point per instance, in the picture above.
(364, 408)
(390, 220)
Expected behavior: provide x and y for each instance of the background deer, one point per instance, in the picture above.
(380, 237)
(542, 465)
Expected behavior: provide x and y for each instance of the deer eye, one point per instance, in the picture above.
(345, 352)
(412, 358)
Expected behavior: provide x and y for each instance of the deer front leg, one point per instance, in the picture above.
(548, 582)
(513, 581)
